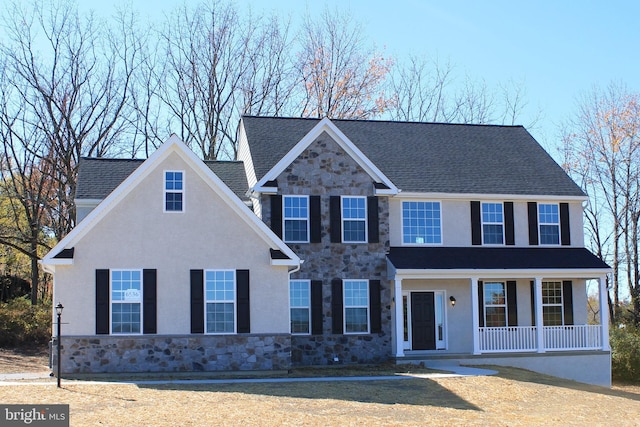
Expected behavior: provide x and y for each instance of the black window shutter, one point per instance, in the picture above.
(565, 230)
(512, 303)
(242, 289)
(372, 219)
(276, 214)
(476, 226)
(533, 303)
(480, 304)
(375, 306)
(197, 301)
(567, 301)
(336, 306)
(335, 219)
(509, 232)
(316, 307)
(102, 302)
(315, 219)
(532, 210)
(149, 301)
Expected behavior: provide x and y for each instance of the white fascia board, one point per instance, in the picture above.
(325, 125)
(500, 274)
(172, 145)
(487, 196)
(285, 262)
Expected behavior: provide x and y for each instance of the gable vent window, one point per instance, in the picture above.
(174, 191)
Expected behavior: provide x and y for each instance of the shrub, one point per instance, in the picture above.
(625, 353)
(23, 324)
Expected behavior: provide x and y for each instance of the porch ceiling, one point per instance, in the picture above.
(494, 258)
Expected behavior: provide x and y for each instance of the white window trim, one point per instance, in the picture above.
(365, 220)
(344, 308)
(308, 307)
(540, 223)
(483, 223)
(561, 304)
(234, 301)
(111, 302)
(307, 218)
(165, 191)
(402, 223)
(505, 305)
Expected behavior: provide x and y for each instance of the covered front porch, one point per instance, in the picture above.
(535, 303)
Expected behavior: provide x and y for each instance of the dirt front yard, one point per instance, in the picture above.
(514, 397)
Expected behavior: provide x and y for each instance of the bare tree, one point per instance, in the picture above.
(341, 78)
(606, 138)
(419, 90)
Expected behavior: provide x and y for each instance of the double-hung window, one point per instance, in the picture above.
(492, 224)
(300, 303)
(126, 301)
(552, 308)
(173, 191)
(220, 299)
(421, 223)
(356, 306)
(296, 219)
(354, 219)
(549, 224)
(495, 304)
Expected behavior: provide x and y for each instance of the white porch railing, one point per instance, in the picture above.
(523, 338)
(578, 337)
(509, 339)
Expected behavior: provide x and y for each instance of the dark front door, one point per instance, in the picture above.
(423, 321)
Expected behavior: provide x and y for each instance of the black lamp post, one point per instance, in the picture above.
(59, 308)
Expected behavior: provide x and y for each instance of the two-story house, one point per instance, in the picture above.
(410, 241)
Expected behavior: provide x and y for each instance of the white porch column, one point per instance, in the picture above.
(475, 323)
(539, 319)
(399, 317)
(604, 313)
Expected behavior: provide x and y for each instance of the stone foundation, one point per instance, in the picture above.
(157, 353)
(339, 349)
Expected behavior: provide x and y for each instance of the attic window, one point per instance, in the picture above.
(174, 191)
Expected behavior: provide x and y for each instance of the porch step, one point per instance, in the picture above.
(453, 366)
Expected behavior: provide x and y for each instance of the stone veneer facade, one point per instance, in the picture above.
(181, 353)
(325, 169)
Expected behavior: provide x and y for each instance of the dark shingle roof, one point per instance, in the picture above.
(98, 177)
(432, 258)
(429, 157)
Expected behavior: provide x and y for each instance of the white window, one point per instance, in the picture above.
(173, 191)
(296, 219)
(492, 224)
(549, 224)
(552, 308)
(220, 301)
(356, 306)
(126, 301)
(300, 303)
(495, 304)
(354, 219)
(421, 223)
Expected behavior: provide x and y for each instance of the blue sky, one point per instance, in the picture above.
(557, 49)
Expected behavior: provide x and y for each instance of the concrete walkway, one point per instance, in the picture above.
(455, 371)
